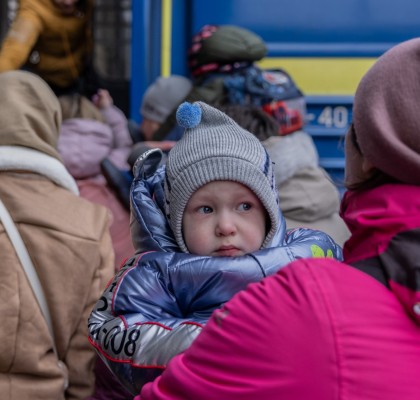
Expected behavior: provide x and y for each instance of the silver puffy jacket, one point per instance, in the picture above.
(159, 301)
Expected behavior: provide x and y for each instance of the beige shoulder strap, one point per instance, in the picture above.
(32, 275)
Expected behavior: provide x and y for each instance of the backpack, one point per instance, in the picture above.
(272, 90)
(222, 61)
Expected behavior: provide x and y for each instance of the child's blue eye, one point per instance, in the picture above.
(245, 207)
(205, 210)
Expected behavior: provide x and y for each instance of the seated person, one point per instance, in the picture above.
(159, 100)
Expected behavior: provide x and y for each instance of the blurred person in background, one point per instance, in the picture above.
(161, 98)
(92, 131)
(53, 39)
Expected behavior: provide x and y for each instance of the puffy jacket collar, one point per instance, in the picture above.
(375, 216)
(385, 224)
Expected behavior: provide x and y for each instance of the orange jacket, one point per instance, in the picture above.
(50, 44)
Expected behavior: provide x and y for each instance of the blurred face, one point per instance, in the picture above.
(224, 218)
(148, 128)
(67, 7)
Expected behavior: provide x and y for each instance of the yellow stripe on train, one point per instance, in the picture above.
(166, 32)
(323, 76)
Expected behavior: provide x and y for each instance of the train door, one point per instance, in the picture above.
(112, 48)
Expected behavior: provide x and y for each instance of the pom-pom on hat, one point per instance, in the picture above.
(188, 115)
(215, 148)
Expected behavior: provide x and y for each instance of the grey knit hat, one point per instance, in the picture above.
(215, 148)
(164, 96)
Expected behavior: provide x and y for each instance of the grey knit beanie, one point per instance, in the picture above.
(164, 96)
(215, 148)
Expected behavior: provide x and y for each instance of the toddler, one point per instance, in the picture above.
(204, 225)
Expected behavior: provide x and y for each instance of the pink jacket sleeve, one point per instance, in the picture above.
(317, 329)
(116, 119)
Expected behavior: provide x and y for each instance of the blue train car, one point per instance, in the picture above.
(325, 45)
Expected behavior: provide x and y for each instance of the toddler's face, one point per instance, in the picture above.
(224, 218)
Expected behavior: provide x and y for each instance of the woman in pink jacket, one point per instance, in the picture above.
(320, 329)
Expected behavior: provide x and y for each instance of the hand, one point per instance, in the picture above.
(102, 99)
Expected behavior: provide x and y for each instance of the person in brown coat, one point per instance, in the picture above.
(51, 38)
(68, 241)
